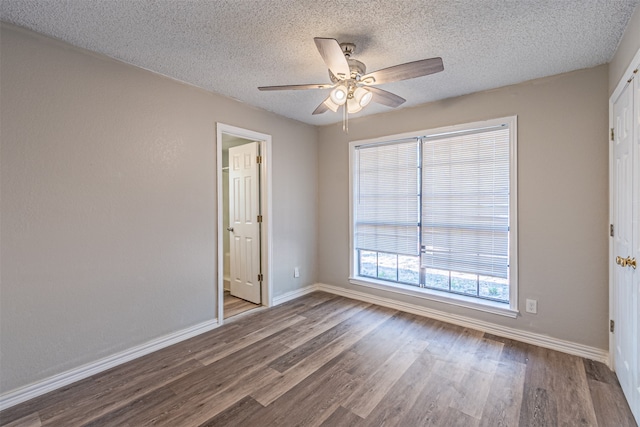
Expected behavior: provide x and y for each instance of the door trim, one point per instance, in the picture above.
(633, 65)
(266, 246)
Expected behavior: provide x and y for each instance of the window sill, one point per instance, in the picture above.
(501, 309)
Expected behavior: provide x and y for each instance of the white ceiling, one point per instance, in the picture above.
(233, 46)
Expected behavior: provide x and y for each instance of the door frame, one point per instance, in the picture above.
(266, 246)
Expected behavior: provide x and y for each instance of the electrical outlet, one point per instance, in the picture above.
(296, 272)
(532, 306)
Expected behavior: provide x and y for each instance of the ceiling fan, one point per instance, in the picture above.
(352, 87)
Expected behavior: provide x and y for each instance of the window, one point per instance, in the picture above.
(433, 214)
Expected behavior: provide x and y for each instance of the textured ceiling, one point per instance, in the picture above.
(232, 47)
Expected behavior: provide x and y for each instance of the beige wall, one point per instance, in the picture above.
(562, 191)
(627, 48)
(108, 178)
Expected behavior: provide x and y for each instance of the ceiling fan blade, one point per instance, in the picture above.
(386, 98)
(297, 87)
(333, 56)
(322, 108)
(406, 71)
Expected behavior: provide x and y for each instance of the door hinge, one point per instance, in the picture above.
(612, 134)
(612, 326)
(259, 218)
(259, 159)
(260, 278)
(611, 230)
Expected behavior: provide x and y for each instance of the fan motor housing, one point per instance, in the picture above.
(356, 67)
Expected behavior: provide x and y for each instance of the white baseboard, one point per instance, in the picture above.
(39, 388)
(294, 294)
(540, 340)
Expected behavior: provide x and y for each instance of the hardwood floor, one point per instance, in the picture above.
(324, 360)
(234, 306)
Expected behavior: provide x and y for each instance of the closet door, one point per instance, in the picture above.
(635, 253)
(626, 241)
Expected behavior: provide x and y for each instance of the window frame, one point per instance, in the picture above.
(504, 309)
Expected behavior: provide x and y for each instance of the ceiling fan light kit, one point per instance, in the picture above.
(362, 96)
(339, 95)
(353, 107)
(330, 105)
(352, 88)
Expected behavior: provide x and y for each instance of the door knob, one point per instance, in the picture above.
(631, 262)
(622, 262)
(231, 229)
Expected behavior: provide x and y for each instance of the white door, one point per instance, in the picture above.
(625, 244)
(244, 229)
(635, 250)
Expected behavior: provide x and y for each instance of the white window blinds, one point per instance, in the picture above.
(386, 198)
(465, 203)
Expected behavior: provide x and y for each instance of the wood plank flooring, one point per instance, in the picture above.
(324, 360)
(234, 305)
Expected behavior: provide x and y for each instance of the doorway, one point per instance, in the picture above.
(624, 248)
(243, 220)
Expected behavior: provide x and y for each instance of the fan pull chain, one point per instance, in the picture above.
(345, 119)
